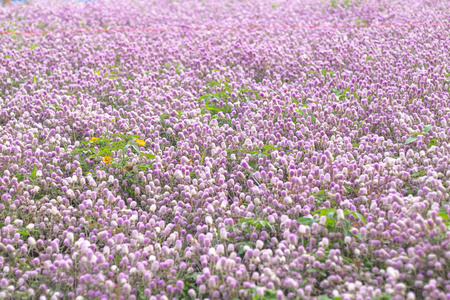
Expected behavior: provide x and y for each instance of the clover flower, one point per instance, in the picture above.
(304, 157)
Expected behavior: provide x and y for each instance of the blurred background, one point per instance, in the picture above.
(9, 1)
(3, 2)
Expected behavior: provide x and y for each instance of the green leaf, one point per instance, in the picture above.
(324, 211)
(308, 221)
(214, 83)
(330, 218)
(23, 232)
(426, 128)
(416, 133)
(359, 237)
(205, 96)
(384, 296)
(269, 147)
(145, 167)
(164, 116)
(336, 92)
(418, 174)
(136, 148)
(355, 214)
(203, 156)
(249, 90)
(148, 155)
(33, 173)
(316, 271)
(410, 140)
(303, 283)
(360, 216)
(443, 214)
(433, 142)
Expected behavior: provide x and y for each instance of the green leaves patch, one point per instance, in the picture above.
(104, 146)
(33, 173)
(340, 94)
(425, 130)
(225, 96)
(332, 224)
(255, 222)
(419, 174)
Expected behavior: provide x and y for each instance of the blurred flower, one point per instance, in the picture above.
(140, 142)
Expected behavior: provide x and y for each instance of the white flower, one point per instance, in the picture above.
(70, 237)
(178, 174)
(302, 229)
(54, 211)
(223, 233)
(287, 200)
(102, 234)
(393, 273)
(351, 287)
(259, 244)
(31, 241)
(70, 193)
(323, 220)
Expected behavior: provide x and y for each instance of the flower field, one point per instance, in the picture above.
(225, 150)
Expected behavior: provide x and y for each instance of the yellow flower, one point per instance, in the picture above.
(107, 159)
(93, 139)
(140, 142)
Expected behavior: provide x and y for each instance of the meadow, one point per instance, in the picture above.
(225, 150)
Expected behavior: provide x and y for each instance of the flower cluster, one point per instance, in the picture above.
(285, 150)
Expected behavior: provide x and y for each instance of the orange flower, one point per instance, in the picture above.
(107, 159)
(93, 139)
(140, 142)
